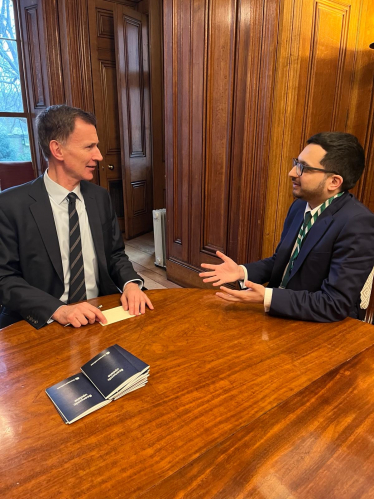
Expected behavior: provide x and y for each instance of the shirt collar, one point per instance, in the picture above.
(308, 208)
(57, 192)
(312, 211)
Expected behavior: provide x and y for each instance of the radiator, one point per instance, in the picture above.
(159, 231)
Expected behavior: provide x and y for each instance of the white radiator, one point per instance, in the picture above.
(159, 231)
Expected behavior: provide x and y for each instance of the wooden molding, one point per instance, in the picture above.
(132, 63)
(76, 53)
(132, 32)
(139, 197)
(110, 127)
(54, 66)
(105, 24)
(34, 31)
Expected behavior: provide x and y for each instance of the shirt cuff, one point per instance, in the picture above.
(50, 320)
(138, 281)
(267, 299)
(245, 277)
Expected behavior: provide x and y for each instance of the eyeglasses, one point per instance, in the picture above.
(300, 167)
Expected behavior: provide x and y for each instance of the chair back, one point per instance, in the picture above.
(15, 173)
(367, 298)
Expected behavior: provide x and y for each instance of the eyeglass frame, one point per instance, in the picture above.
(296, 163)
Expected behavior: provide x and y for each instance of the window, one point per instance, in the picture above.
(14, 136)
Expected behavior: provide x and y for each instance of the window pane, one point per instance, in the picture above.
(14, 140)
(7, 25)
(10, 85)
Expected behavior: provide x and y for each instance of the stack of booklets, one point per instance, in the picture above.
(108, 376)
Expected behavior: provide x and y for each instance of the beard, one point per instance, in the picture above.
(309, 194)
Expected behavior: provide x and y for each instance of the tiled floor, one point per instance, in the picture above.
(141, 252)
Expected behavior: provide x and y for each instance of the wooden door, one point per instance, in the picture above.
(101, 22)
(131, 34)
(119, 50)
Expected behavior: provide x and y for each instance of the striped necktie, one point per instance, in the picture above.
(304, 230)
(77, 287)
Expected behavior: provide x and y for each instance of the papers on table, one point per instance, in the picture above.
(116, 314)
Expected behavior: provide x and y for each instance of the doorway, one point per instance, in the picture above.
(127, 67)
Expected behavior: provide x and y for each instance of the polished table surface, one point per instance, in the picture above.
(238, 404)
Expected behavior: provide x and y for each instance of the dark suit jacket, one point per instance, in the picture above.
(332, 267)
(31, 276)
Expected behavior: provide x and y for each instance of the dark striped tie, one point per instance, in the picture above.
(77, 287)
(295, 253)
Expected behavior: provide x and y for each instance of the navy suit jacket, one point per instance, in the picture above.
(31, 275)
(334, 262)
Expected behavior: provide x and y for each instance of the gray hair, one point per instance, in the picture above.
(57, 123)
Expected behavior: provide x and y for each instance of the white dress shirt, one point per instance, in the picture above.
(59, 203)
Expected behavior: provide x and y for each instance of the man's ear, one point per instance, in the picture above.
(335, 182)
(56, 150)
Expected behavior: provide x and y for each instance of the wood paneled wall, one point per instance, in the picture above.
(246, 83)
(324, 82)
(57, 56)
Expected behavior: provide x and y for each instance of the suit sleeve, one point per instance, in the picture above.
(351, 262)
(120, 267)
(261, 271)
(33, 304)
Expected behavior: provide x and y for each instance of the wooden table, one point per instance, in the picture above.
(238, 404)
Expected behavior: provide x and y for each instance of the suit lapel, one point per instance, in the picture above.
(318, 230)
(285, 249)
(316, 233)
(43, 216)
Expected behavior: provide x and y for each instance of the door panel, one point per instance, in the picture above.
(119, 48)
(106, 102)
(131, 32)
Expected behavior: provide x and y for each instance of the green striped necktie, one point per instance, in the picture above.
(304, 229)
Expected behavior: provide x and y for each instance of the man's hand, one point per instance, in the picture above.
(78, 315)
(254, 294)
(228, 271)
(134, 300)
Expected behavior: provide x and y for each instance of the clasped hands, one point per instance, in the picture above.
(229, 271)
(133, 299)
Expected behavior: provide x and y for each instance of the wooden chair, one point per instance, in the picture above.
(15, 173)
(367, 298)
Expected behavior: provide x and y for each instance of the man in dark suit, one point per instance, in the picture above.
(326, 251)
(59, 233)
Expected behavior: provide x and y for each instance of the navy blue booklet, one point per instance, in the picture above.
(75, 397)
(114, 371)
(109, 375)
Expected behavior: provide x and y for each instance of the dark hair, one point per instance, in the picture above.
(57, 123)
(344, 155)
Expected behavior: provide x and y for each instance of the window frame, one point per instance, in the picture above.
(26, 105)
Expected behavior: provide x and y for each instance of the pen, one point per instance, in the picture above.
(68, 324)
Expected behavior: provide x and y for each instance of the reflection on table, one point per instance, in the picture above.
(238, 403)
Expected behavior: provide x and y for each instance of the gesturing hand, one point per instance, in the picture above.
(78, 315)
(228, 271)
(134, 299)
(254, 294)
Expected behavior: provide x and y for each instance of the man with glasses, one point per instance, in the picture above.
(326, 251)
